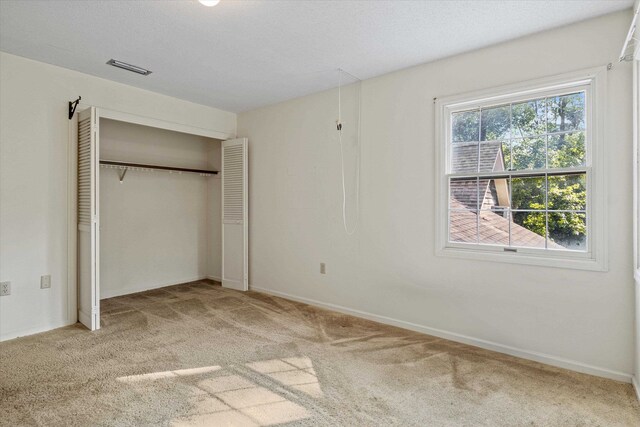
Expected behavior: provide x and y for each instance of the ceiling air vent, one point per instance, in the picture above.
(128, 67)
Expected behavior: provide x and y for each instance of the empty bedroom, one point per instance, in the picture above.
(319, 213)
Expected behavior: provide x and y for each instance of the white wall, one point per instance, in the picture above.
(636, 209)
(34, 136)
(154, 226)
(579, 319)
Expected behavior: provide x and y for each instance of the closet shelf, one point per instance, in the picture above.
(125, 165)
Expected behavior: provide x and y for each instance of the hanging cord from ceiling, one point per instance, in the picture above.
(339, 128)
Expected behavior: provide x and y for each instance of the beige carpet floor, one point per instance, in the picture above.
(197, 354)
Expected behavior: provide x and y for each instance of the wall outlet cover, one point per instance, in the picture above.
(323, 268)
(5, 288)
(45, 281)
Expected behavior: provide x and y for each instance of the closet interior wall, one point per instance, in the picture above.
(157, 228)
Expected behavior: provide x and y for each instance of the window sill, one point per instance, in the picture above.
(557, 261)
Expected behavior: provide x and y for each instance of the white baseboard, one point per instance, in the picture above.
(37, 330)
(216, 278)
(636, 386)
(452, 336)
(104, 294)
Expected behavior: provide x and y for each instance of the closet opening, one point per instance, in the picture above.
(157, 205)
(158, 227)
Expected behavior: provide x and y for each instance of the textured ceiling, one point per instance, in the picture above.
(241, 55)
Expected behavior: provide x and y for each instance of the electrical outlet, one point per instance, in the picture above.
(323, 268)
(45, 282)
(5, 289)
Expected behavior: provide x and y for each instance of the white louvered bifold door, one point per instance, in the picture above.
(235, 224)
(88, 220)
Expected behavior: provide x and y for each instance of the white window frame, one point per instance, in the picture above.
(593, 82)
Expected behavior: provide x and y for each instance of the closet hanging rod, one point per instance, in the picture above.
(164, 168)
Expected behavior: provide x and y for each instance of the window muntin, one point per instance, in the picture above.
(518, 173)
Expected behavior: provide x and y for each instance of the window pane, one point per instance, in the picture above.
(464, 157)
(463, 193)
(494, 193)
(463, 226)
(568, 230)
(528, 153)
(494, 227)
(566, 113)
(528, 118)
(536, 208)
(492, 156)
(465, 126)
(495, 123)
(528, 192)
(528, 229)
(567, 192)
(567, 150)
